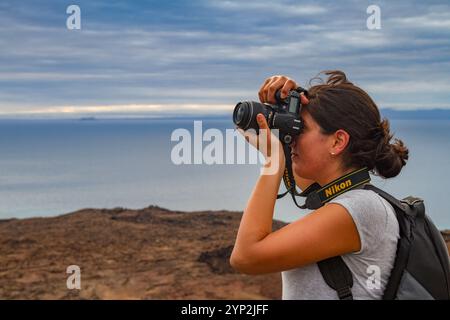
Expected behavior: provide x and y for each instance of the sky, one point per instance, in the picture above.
(203, 56)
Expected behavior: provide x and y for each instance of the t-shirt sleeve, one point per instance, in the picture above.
(369, 214)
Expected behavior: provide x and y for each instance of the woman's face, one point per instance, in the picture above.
(311, 149)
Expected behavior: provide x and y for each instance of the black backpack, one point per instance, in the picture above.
(421, 269)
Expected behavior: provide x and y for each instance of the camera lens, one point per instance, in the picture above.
(244, 114)
(241, 114)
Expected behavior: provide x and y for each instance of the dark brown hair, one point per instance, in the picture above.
(339, 104)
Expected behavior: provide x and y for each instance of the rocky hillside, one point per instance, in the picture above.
(151, 253)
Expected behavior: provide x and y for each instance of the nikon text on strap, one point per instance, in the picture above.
(354, 179)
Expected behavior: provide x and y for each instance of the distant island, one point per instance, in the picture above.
(423, 114)
(87, 118)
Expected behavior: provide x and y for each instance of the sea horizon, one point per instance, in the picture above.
(390, 113)
(57, 166)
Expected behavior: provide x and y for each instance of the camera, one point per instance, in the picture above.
(284, 115)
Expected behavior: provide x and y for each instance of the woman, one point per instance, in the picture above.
(343, 132)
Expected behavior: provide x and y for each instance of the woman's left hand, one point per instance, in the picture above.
(267, 143)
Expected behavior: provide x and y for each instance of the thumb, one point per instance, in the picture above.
(262, 122)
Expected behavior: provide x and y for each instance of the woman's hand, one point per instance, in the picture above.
(267, 95)
(274, 83)
(267, 143)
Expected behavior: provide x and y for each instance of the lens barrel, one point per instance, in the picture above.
(244, 114)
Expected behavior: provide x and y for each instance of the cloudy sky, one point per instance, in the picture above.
(205, 55)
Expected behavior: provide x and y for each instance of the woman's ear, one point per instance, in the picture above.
(341, 140)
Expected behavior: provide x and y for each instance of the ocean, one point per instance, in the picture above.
(52, 167)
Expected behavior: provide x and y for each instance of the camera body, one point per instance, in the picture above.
(284, 115)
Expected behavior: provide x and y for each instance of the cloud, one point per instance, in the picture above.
(271, 8)
(437, 19)
(215, 52)
(136, 109)
(410, 87)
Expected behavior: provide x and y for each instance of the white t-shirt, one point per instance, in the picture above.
(378, 230)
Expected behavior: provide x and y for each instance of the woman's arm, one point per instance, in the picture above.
(327, 232)
(256, 222)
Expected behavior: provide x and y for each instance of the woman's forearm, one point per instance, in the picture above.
(256, 222)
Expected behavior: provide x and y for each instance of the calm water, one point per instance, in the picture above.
(50, 167)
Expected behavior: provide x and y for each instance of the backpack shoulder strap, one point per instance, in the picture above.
(392, 200)
(338, 276)
(401, 210)
(334, 271)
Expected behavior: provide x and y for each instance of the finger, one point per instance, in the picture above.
(261, 90)
(303, 99)
(264, 138)
(288, 86)
(267, 87)
(262, 122)
(274, 86)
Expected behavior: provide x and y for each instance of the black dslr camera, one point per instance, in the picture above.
(284, 115)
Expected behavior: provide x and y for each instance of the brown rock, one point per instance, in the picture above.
(152, 253)
(446, 236)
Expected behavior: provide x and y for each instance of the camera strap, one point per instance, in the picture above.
(289, 181)
(352, 180)
(317, 196)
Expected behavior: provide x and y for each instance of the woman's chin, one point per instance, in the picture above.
(298, 168)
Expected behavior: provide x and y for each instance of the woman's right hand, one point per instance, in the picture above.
(267, 95)
(274, 83)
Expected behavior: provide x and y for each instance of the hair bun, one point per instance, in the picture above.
(390, 157)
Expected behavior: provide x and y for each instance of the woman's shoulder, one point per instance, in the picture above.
(364, 194)
(362, 202)
(372, 214)
(364, 198)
